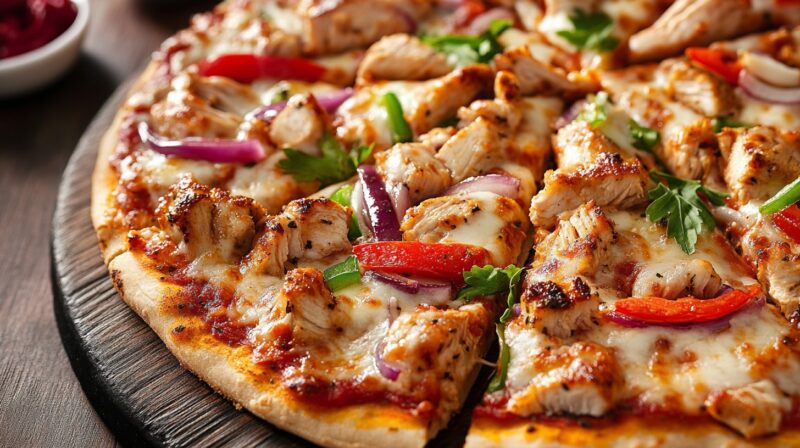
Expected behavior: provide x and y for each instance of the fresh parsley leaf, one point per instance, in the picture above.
(332, 166)
(498, 380)
(342, 275)
(717, 124)
(590, 31)
(488, 280)
(643, 138)
(678, 202)
(594, 112)
(464, 50)
(342, 197)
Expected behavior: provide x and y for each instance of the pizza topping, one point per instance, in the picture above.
(342, 275)
(770, 70)
(696, 278)
(401, 56)
(210, 150)
(332, 166)
(787, 196)
(464, 50)
(560, 311)
(703, 91)
(247, 68)
(719, 62)
(499, 184)
(590, 31)
(401, 132)
(722, 122)
(328, 101)
(379, 207)
(414, 170)
(434, 292)
(343, 196)
(686, 214)
(429, 260)
(754, 410)
(788, 220)
(658, 310)
(760, 90)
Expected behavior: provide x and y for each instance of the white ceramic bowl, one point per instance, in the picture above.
(28, 71)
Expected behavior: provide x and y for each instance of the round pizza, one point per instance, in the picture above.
(335, 212)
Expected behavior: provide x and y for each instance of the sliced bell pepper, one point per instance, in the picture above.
(246, 68)
(717, 61)
(686, 309)
(443, 261)
(788, 220)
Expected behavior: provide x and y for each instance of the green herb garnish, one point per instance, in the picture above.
(642, 137)
(464, 50)
(782, 199)
(401, 131)
(686, 213)
(489, 280)
(594, 112)
(343, 274)
(342, 197)
(332, 166)
(590, 31)
(717, 124)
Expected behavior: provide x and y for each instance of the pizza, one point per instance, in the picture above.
(335, 213)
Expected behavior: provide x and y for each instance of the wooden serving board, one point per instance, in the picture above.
(134, 383)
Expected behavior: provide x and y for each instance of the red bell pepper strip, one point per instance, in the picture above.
(432, 260)
(246, 68)
(684, 310)
(788, 220)
(717, 61)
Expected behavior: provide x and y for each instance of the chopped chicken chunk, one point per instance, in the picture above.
(401, 56)
(695, 278)
(707, 94)
(300, 125)
(753, 410)
(482, 219)
(474, 150)
(413, 166)
(557, 311)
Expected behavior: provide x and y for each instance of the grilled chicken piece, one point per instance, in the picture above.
(437, 137)
(332, 27)
(401, 56)
(580, 379)
(413, 166)
(498, 112)
(312, 307)
(707, 94)
(754, 410)
(761, 161)
(308, 229)
(482, 219)
(577, 143)
(609, 180)
(425, 104)
(779, 268)
(437, 348)
(694, 23)
(693, 154)
(300, 125)
(185, 113)
(531, 140)
(557, 311)
(208, 221)
(474, 150)
(583, 235)
(539, 78)
(696, 278)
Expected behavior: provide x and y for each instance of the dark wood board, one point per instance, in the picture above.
(137, 387)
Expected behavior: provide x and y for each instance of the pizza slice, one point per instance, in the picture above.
(637, 322)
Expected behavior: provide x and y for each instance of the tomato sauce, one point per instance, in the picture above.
(26, 25)
(210, 303)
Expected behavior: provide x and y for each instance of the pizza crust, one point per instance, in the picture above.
(631, 433)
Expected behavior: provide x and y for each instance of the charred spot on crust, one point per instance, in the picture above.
(548, 295)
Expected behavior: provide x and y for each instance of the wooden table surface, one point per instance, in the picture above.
(41, 402)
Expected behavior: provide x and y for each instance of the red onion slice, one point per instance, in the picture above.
(328, 101)
(382, 216)
(481, 23)
(499, 184)
(570, 114)
(765, 92)
(209, 150)
(401, 200)
(389, 370)
(433, 292)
